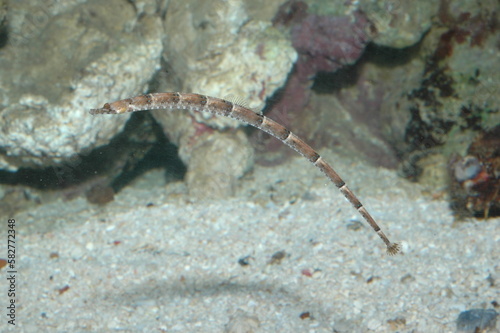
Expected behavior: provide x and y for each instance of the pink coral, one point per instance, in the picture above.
(324, 43)
(327, 43)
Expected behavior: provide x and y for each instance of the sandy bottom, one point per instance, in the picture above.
(287, 254)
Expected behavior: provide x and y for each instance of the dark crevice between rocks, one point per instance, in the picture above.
(4, 36)
(106, 170)
(384, 56)
(348, 75)
(328, 82)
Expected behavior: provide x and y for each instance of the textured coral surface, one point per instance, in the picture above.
(73, 56)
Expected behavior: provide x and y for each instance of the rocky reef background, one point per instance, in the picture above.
(126, 223)
(404, 85)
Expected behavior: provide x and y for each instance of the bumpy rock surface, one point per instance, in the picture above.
(108, 51)
(217, 49)
(3, 13)
(397, 23)
(67, 58)
(444, 97)
(220, 51)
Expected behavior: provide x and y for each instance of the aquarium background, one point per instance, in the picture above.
(181, 221)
